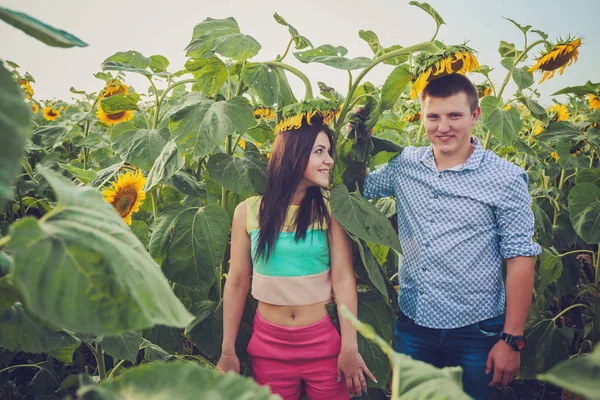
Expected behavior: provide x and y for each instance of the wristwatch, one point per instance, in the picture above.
(516, 342)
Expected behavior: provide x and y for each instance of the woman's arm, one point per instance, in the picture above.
(236, 289)
(350, 362)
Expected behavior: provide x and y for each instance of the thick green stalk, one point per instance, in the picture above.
(287, 49)
(298, 73)
(596, 303)
(171, 87)
(395, 379)
(157, 108)
(517, 60)
(100, 361)
(420, 133)
(486, 142)
(20, 366)
(560, 186)
(392, 54)
(154, 204)
(115, 368)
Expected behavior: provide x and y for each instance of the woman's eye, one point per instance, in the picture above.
(319, 151)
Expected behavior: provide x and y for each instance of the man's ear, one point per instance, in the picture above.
(475, 116)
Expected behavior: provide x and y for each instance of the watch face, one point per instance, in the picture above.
(520, 345)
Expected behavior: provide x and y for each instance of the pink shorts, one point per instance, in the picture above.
(291, 358)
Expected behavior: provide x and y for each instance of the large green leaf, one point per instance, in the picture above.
(14, 125)
(584, 211)
(417, 380)
(159, 63)
(578, 375)
(591, 175)
(190, 242)
(393, 87)
(361, 218)
(5, 263)
(522, 77)
(167, 164)
(371, 38)
(550, 270)
(588, 88)
(535, 108)
(120, 102)
(374, 278)
(201, 125)
(429, 10)
(246, 175)
(504, 125)
(206, 331)
(372, 310)
(124, 346)
(50, 136)
(128, 61)
(39, 30)
(20, 332)
(300, 42)
(560, 132)
(547, 345)
(332, 56)
(221, 36)
(210, 74)
(264, 80)
(176, 380)
(141, 148)
(89, 272)
(187, 184)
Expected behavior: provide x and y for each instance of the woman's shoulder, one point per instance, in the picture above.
(251, 208)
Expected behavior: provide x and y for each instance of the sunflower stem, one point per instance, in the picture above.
(298, 73)
(392, 54)
(287, 49)
(157, 108)
(437, 29)
(21, 366)
(100, 361)
(120, 363)
(173, 86)
(517, 60)
(556, 208)
(154, 204)
(488, 137)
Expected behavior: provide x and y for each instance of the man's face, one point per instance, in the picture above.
(448, 123)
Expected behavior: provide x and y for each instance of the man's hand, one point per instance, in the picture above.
(505, 362)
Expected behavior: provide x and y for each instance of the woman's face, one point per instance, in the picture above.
(319, 163)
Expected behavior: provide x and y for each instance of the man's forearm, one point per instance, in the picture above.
(520, 274)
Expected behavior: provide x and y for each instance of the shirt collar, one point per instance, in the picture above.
(473, 162)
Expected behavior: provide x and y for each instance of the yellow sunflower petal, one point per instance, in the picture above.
(126, 194)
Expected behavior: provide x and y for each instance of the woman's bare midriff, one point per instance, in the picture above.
(292, 315)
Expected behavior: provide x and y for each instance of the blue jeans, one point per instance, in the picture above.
(467, 347)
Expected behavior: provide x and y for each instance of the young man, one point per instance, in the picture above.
(461, 211)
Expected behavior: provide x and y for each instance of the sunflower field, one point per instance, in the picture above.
(116, 209)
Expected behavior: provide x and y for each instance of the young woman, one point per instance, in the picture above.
(298, 256)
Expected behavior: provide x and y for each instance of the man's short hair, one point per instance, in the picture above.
(450, 85)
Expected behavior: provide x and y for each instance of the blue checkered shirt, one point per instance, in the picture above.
(455, 227)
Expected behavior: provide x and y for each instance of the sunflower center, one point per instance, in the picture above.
(115, 116)
(561, 60)
(124, 201)
(52, 113)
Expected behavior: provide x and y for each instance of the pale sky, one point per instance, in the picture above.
(165, 27)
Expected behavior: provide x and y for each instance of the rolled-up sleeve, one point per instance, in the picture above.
(516, 221)
(379, 183)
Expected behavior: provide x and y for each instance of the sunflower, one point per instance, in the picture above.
(258, 144)
(453, 59)
(484, 89)
(594, 101)
(558, 112)
(35, 108)
(50, 113)
(413, 117)
(113, 86)
(113, 119)
(506, 107)
(293, 115)
(264, 113)
(561, 55)
(555, 155)
(538, 129)
(243, 144)
(26, 86)
(126, 194)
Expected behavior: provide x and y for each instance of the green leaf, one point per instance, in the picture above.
(300, 42)
(508, 63)
(124, 346)
(210, 74)
(588, 88)
(372, 40)
(547, 345)
(550, 270)
(176, 380)
(584, 211)
(105, 175)
(591, 175)
(543, 35)
(504, 125)
(507, 49)
(332, 56)
(84, 175)
(200, 125)
(124, 67)
(206, 330)
(159, 63)
(487, 105)
(20, 332)
(429, 10)
(394, 86)
(535, 108)
(14, 126)
(190, 242)
(50, 136)
(246, 175)
(375, 277)
(221, 36)
(39, 30)
(5, 264)
(185, 183)
(141, 148)
(264, 80)
(361, 218)
(578, 375)
(167, 164)
(395, 60)
(523, 29)
(153, 352)
(522, 77)
(560, 132)
(120, 102)
(132, 58)
(107, 281)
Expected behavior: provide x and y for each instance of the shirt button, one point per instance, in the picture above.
(426, 244)
(440, 176)
(421, 292)
(435, 196)
(424, 269)
(431, 220)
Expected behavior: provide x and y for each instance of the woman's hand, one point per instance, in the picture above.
(229, 363)
(353, 368)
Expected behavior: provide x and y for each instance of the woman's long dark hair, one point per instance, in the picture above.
(289, 158)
